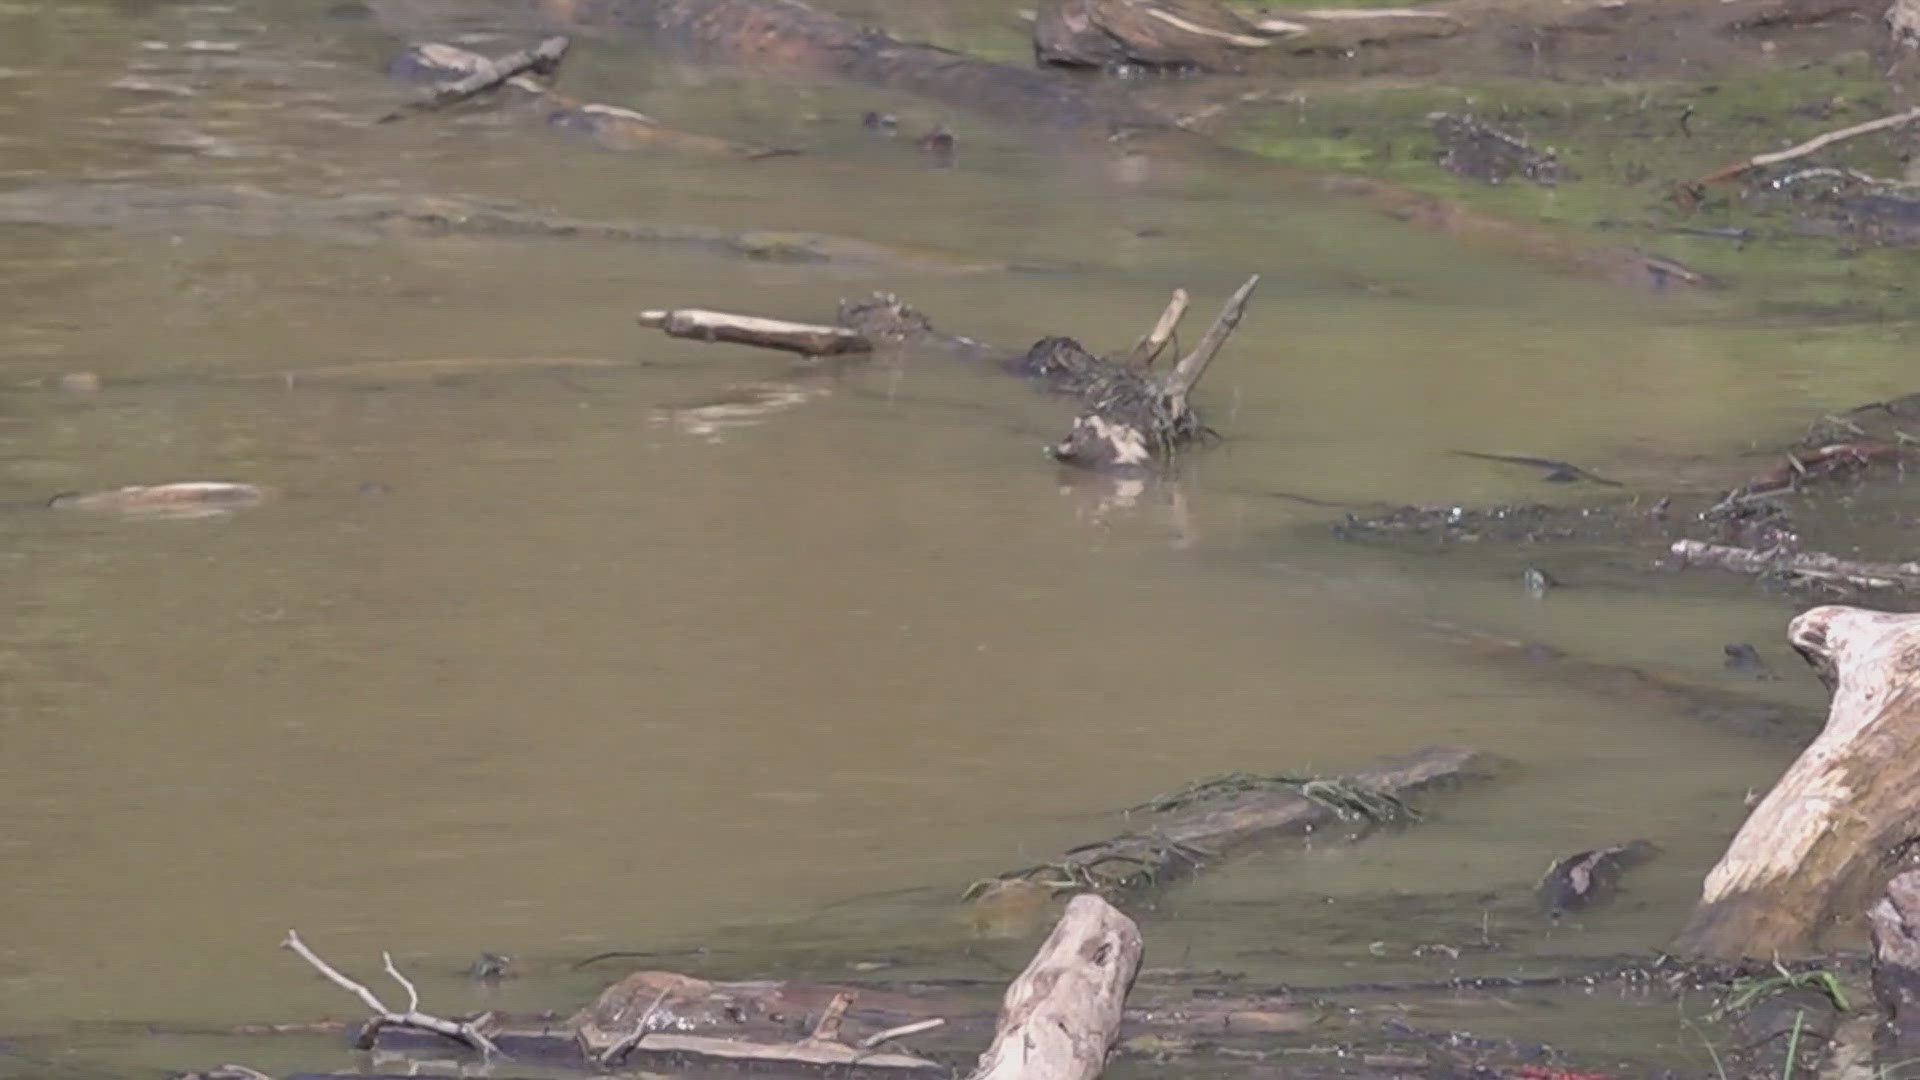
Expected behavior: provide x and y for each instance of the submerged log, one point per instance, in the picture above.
(1063, 1013)
(1207, 822)
(1800, 566)
(1816, 849)
(789, 37)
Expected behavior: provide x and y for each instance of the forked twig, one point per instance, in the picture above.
(466, 1032)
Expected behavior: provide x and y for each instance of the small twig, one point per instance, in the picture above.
(1181, 380)
(466, 1032)
(1148, 349)
(632, 1038)
(900, 1032)
(543, 58)
(1818, 142)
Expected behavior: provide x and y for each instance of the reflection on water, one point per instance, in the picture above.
(547, 658)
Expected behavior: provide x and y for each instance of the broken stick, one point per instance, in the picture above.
(808, 339)
(466, 1032)
(488, 75)
(1148, 349)
(1062, 1014)
(1817, 143)
(1819, 847)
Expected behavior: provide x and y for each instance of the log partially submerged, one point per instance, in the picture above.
(1207, 822)
(1133, 420)
(1063, 1013)
(1817, 848)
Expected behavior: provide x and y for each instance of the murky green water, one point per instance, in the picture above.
(536, 659)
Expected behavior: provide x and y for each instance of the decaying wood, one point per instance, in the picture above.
(1134, 420)
(1813, 145)
(1817, 848)
(1062, 1014)
(1811, 566)
(1894, 923)
(470, 1033)
(806, 338)
(1206, 823)
(543, 58)
(1197, 35)
(1586, 878)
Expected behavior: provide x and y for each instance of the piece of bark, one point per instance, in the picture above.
(1180, 835)
(1063, 1013)
(1895, 926)
(1583, 880)
(1815, 850)
(808, 339)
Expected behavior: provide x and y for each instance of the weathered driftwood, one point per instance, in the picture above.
(1132, 419)
(1198, 35)
(1205, 823)
(1812, 566)
(1816, 849)
(790, 37)
(1894, 923)
(488, 74)
(187, 499)
(470, 1033)
(1063, 1013)
(806, 338)
(1811, 146)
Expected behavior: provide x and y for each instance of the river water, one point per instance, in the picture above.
(534, 650)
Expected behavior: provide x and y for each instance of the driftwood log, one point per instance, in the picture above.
(1807, 566)
(1819, 847)
(805, 338)
(1062, 1015)
(1132, 420)
(483, 75)
(1903, 18)
(1191, 35)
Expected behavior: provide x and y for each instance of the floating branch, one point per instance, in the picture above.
(465, 1032)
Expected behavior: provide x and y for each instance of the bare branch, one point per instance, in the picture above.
(1187, 373)
(900, 1032)
(1147, 349)
(466, 1032)
(413, 996)
(1818, 142)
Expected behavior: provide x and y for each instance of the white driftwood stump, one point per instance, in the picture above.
(1814, 852)
(1060, 1017)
